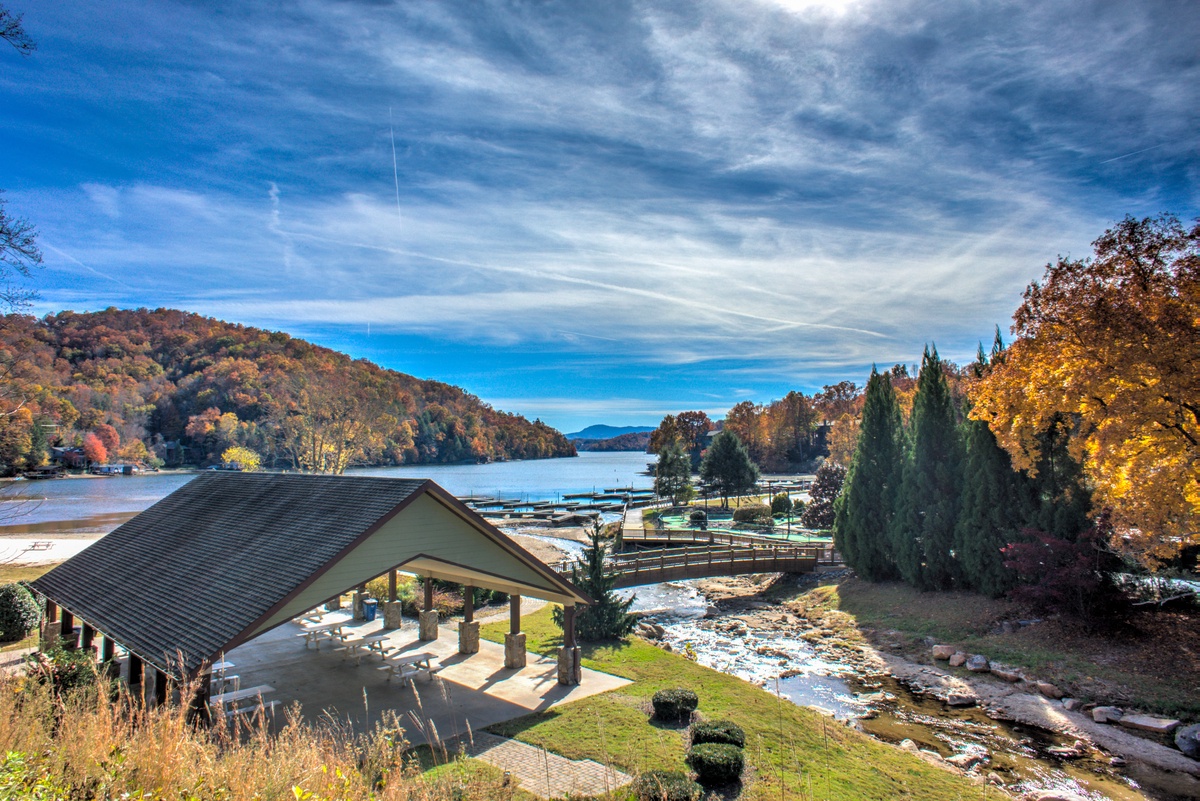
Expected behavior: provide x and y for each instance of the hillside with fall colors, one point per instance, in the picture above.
(174, 387)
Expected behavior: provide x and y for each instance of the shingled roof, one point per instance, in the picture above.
(208, 563)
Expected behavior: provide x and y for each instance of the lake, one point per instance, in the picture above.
(72, 507)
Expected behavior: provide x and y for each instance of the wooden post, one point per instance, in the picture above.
(392, 586)
(514, 614)
(468, 604)
(68, 630)
(51, 611)
(198, 713)
(86, 635)
(160, 687)
(107, 649)
(135, 671)
(428, 594)
(569, 626)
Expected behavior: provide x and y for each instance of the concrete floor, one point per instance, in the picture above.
(469, 693)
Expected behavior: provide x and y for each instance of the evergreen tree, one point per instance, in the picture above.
(923, 528)
(673, 473)
(728, 467)
(863, 512)
(608, 618)
(1062, 499)
(996, 506)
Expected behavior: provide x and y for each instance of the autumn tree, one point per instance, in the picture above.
(727, 466)
(928, 504)
(827, 486)
(863, 513)
(109, 436)
(241, 458)
(673, 474)
(93, 449)
(843, 438)
(666, 433)
(693, 430)
(1109, 346)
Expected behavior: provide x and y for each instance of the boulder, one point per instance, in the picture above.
(909, 745)
(1071, 704)
(966, 761)
(1150, 723)
(961, 699)
(1049, 690)
(1106, 714)
(1055, 795)
(1187, 740)
(977, 664)
(1005, 673)
(958, 659)
(943, 651)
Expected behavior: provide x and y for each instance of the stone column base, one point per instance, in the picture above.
(514, 651)
(569, 669)
(468, 638)
(356, 604)
(334, 605)
(393, 617)
(428, 624)
(51, 635)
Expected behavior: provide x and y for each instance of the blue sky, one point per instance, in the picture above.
(597, 212)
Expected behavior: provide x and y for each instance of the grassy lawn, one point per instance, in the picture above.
(1153, 663)
(791, 752)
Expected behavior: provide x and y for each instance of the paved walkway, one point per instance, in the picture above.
(544, 774)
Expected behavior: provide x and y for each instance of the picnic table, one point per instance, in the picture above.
(359, 647)
(405, 666)
(222, 679)
(232, 703)
(312, 633)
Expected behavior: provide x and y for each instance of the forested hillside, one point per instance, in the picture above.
(139, 385)
(634, 441)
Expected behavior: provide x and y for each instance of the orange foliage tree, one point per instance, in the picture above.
(1113, 344)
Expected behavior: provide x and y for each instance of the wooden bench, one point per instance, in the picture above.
(231, 701)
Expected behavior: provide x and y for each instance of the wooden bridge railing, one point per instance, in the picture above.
(674, 564)
(697, 536)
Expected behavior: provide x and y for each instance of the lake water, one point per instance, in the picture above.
(71, 506)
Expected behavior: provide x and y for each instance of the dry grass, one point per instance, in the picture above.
(88, 746)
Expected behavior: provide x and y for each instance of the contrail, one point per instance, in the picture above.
(395, 169)
(71, 258)
(1143, 150)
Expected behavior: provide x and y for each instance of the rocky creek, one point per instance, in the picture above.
(901, 702)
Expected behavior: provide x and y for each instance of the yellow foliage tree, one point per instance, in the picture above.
(1113, 344)
(243, 457)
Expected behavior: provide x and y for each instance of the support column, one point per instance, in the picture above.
(156, 687)
(468, 630)
(87, 635)
(569, 668)
(360, 593)
(198, 713)
(514, 641)
(392, 597)
(393, 610)
(51, 629)
(428, 624)
(134, 676)
(68, 631)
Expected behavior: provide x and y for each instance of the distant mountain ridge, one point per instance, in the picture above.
(633, 441)
(601, 432)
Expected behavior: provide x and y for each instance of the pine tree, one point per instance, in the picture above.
(728, 467)
(923, 528)
(996, 506)
(673, 473)
(863, 513)
(608, 618)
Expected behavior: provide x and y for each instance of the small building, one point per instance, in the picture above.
(231, 556)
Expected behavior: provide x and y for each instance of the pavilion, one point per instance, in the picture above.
(231, 556)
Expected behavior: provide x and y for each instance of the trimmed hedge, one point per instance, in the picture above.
(19, 613)
(753, 513)
(781, 504)
(674, 705)
(718, 731)
(698, 517)
(666, 785)
(716, 764)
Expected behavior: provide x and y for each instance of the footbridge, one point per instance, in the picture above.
(636, 568)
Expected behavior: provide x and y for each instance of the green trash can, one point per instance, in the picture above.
(370, 606)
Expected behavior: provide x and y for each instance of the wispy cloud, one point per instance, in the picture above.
(767, 194)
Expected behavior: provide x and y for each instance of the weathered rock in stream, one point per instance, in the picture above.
(1187, 740)
(1106, 714)
(1150, 723)
(943, 651)
(977, 664)
(958, 659)
(1049, 690)
(1005, 673)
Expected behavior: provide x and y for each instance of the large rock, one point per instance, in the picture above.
(958, 660)
(977, 664)
(966, 761)
(1106, 714)
(961, 699)
(1005, 673)
(1150, 723)
(1055, 795)
(1187, 740)
(1049, 690)
(943, 651)
(1071, 704)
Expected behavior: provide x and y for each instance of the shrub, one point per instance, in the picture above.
(62, 670)
(781, 504)
(19, 613)
(753, 513)
(716, 763)
(665, 785)
(719, 731)
(698, 517)
(674, 705)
